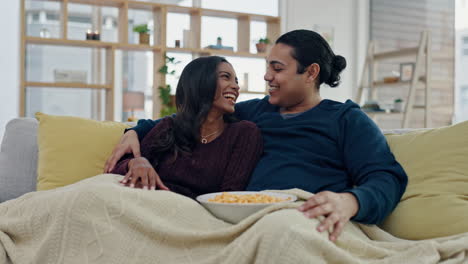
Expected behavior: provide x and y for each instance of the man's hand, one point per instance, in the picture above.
(141, 171)
(337, 208)
(128, 144)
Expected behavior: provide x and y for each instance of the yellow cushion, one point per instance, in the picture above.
(435, 203)
(72, 148)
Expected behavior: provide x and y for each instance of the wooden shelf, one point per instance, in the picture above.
(159, 12)
(394, 113)
(236, 15)
(182, 50)
(143, 5)
(112, 3)
(172, 8)
(397, 53)
(69, 42)
(421, 78)
(89, 44)
(419, 107)
(183, 9)
(137, 47)
(66, 85)
(399, 83)
(233, 53)
(217, 52)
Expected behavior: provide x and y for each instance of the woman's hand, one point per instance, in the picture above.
(140, 171)
(337, 208)
(129, 143)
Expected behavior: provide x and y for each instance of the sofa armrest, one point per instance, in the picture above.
(18, 158)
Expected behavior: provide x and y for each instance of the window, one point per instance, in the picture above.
(45, 63)
(81, 19)
(181, 60)
(63, 101)
(262, 7)
(44, 19)
(224, 28)
(178, 25)
(52, 16)
(138, 17)
(258, 30)
(465, 46)
(35, 17)
(464, 94)
(172, 2)
(135, 76)
(463, 103)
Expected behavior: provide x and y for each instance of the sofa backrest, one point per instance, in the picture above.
(19, 155)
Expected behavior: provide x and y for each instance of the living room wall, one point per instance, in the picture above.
(9, 62)
(349, 23)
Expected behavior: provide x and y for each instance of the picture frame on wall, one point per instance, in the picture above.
(406, 71)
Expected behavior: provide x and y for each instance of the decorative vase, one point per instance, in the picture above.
(188, 37)
(398, 106)
(261, 47)
(144, 38)
(245, 84)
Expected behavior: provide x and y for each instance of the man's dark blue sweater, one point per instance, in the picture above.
(333, 146)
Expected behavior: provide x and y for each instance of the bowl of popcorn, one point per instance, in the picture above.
(233, 207)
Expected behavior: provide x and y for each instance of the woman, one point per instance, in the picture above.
(202, 148)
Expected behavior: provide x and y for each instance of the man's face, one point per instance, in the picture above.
(287, 87)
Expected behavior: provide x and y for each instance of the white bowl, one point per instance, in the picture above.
(235, 212)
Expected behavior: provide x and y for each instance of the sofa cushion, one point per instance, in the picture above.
(73, 148)
(18, 158)
(435, 203)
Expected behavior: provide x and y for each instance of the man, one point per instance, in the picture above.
(329, 148)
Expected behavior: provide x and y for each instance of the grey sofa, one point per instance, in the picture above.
(19, 154)
(18, 158)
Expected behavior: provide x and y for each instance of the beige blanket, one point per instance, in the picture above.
(99, 221)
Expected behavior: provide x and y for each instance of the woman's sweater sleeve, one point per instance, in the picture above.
(161, 124)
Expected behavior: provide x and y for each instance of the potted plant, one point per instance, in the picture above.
(167, 100)
(262, 45)
(143, 30)
(398, 105)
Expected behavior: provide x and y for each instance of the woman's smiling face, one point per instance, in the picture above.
(227, 89)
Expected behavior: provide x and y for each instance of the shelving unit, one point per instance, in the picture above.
(422, 57)
(159, 49)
